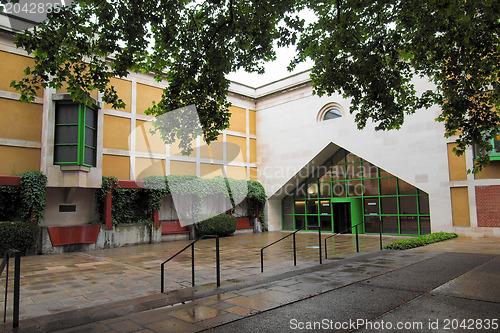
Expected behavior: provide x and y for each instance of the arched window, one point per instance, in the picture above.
(330, 111)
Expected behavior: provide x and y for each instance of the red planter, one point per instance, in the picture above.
(78, 234)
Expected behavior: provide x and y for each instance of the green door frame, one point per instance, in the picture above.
(357, 215)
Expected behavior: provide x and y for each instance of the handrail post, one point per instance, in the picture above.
(6, 257)
(262, 260)
(319, 242)
(357, 243)
(326, 250)
(162, 278)
(294, 252)
(192, 264)
(217, 260)
(17, 284)
(380, 225)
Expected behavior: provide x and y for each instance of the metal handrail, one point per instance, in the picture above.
(357, 241)
(17, 283)
(279, 240)
(217, 260)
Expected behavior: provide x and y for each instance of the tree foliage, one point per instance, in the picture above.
(369, 50)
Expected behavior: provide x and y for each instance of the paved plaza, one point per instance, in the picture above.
(117, 290)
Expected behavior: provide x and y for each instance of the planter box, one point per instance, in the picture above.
(78, 234)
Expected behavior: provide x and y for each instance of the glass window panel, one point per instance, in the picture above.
(355, 188)
(324, 207)
(388, 186)
(369, 170)
(353, 158)
(67, 114)
(405, 188)
(338, 189)
(325, 190)
(389, 205)
(408, 205)
(332, 114)
(288, 222)
(326, 223)
(338, 172)
(288, 205)
(353, 171)
(312, 190)
(326, 177)
(312, 222)
(312, 206)
(65, 154)
(425, 225)
(90, 139)
(66, 134)
(89, 156)
(300, 192)
(409, 225)
(371, 206)
(384, 173)
(300, 207)
(300, 222)
(390, 225)
(496, 145)
(90, 117)
(370, 187)
(372, 224)
(423, 204)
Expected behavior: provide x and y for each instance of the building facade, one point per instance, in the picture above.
(317, 168)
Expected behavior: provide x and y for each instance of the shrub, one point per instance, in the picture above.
(17, 235)
(220, 225)
(423, 240)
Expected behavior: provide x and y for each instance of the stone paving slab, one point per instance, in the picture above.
(278, 292)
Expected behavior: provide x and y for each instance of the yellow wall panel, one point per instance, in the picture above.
(12, 68)
(456, 164)
(18, 159)
(253, 151)
(236, 172)
(24, 120)
(176, 151)
(253, 173)
(211, 170)
(252, 116)
(182, 168)
(146, 141)
(237, 122)
(236, 148)
(145, 167)
(124, 90)
(116, 166)
(215, 150)
(116, 132)
(145, 97)
(490, 171)
(64, 89)
(460, 206)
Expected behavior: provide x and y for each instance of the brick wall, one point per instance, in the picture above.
(488, 206)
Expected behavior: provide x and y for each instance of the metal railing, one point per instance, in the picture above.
(217, 260)
(17, 283)
(357, 239)
(294, 248)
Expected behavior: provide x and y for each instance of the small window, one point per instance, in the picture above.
(495, 152)
(332, 114)
(75, 134)
(330, 111)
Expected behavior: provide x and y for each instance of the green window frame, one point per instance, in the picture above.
(75, 137)
(495, 152)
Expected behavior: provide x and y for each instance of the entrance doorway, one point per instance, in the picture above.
(341, 217)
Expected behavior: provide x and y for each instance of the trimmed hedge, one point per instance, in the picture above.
(423, 240)
(17, 235)
(220, 225)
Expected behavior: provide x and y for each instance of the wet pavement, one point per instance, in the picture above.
(370, 285)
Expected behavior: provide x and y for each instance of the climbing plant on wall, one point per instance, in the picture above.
(136, 205)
